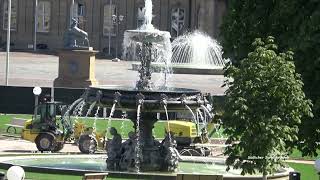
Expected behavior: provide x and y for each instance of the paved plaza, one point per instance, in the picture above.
(30, 69)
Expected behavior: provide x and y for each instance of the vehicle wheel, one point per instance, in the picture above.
(44, 142)
(87, 144)
(11, 130)
(58, 146)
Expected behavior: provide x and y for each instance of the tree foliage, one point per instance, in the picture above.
(265, 105)
(296, 26)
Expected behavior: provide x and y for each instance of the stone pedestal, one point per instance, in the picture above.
(76, 68)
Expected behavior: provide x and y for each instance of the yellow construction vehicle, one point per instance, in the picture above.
(48, 131)
(191, 135)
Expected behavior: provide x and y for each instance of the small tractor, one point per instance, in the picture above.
(48, 131)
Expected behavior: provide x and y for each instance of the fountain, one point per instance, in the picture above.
(148, 39)
(147, 98)
(141, 153)
(197, 53)
(192, 53)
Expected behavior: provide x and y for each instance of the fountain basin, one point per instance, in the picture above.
(175, 98)
(81, 164)
(147, 35)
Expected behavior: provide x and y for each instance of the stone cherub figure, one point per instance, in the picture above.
(113, 150)
(170, 152)
(75, 38)
(127, 161)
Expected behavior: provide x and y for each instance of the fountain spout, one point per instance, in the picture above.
(117, 96)
(163, 99)
(147, 23)
(140, 99)
(98, 96)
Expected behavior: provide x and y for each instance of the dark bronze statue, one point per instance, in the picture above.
(76, 38)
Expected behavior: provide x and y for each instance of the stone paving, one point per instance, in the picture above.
(30, 69)
(10, 145)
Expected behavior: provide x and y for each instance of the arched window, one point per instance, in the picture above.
(108, 25)
(177, 21)
(14, 6)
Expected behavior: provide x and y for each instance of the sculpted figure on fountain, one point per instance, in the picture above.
(113, 150)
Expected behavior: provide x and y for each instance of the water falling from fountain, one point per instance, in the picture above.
(199, 115)
(192, 113)
(113, 108)
(96, 116)
(158, 43)
(78, 109)
(138, 146)
(90, 108)
(207, 111)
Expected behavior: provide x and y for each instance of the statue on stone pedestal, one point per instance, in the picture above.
(76, 38)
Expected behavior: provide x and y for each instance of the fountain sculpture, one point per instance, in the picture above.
(146, 99)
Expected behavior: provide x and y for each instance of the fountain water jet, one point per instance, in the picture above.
(197, 49)
(147, 42)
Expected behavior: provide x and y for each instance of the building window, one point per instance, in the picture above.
(14, 6)
(78, 13)
(108, 25)
(177, 21)
(140, 16)
(44, 12)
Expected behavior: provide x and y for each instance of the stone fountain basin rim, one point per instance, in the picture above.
(183, 68)
(133, 89)
(4, 164)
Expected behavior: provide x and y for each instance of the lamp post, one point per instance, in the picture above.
(8, 42)
(109, 35)
(72, 10)
(117, 19)
(35, 25)
(36, 91)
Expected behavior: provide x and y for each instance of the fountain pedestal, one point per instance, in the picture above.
(76, 68)
(150, 154)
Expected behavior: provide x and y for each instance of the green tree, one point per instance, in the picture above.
(264, 108)
(296, 26)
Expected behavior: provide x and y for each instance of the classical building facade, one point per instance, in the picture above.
(95, 17)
